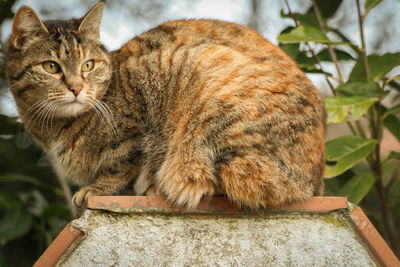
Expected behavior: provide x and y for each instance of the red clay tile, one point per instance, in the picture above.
(214, 205)
(376, 244)
(53, 253)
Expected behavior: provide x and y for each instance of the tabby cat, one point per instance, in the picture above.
(186, 110)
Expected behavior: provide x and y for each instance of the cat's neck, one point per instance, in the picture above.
(47, 129)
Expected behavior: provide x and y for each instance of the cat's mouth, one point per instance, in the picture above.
(73, 101)
(72, 107)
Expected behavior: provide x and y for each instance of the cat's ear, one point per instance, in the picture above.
(90, 23)
(26, 26)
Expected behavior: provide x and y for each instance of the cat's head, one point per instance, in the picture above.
(58, 66)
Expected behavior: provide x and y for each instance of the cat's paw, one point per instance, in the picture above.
(186, 190)
(189, 194)
(80, 197)
(185, 180)
(152, 191)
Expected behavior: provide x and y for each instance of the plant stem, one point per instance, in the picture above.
(387, 214)
(361, 129)
(318, 62)
(68, 197)
(375, 161)
(312, 52)
(330, 47)
(363, 48)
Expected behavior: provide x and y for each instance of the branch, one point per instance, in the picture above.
(312, 52)
(68, 197)
(363, 48)
(318, 62)
(330, 47)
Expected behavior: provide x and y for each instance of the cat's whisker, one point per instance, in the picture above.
(98, 113)
(108, 115)
(57, 105)
(103, 114)
(35, 115)
(49, 119)
(107, 109)
(43, 116)
(31, 109)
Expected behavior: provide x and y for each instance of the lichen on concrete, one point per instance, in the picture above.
(287, 239)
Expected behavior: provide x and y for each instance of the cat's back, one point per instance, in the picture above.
(203, 33)
(175, 53)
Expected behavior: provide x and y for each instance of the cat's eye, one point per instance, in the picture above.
(88, 66)
(51, 67)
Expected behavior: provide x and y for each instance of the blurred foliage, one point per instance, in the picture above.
(32, 205)
(354, 162)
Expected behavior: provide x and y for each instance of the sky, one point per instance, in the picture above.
(124, 19)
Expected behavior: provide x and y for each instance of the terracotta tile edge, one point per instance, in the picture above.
(57, 248)
(376, 244)
(214, 205)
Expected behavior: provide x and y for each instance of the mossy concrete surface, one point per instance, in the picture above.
(276, 239)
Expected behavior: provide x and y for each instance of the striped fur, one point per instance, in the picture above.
(188, 109)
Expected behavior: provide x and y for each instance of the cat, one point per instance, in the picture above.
(186, 110)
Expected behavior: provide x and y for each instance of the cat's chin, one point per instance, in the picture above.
(72, 109)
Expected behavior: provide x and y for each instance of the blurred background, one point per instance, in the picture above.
(33, 208)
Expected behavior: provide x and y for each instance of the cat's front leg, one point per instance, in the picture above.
(110, 181)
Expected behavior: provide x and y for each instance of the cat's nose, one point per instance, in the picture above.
(75, 88)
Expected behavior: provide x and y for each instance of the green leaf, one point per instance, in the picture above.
(303, 33)
(359, 88)
(341, 35)
(14, 224)
(358, 187)
(9, 125)
(327, 8)
(392, 123)
(34, 201)
(338, 108)
(345, 152)
(379, 66)
(333, 186)
(55, 210)
(341, 55)
(393, 155)
(370, 4)
(304, 19)
(291, 49)
(392, 110)
(5, 10)
(305, 63)
(7, 201)
(15, 177)
(395, 85)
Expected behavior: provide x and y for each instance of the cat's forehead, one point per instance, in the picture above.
(59, 29)
(68, 42)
